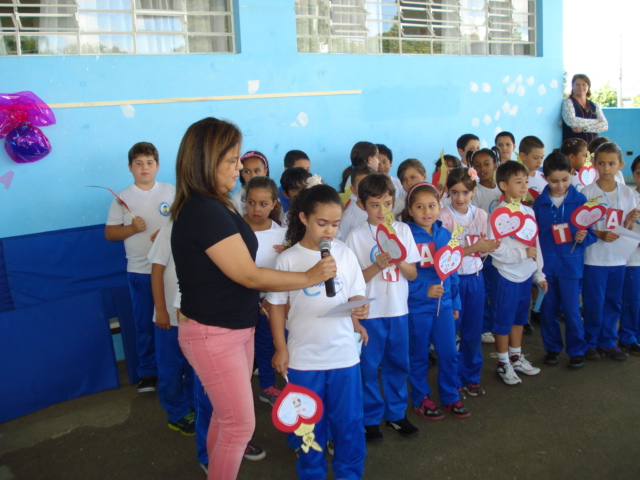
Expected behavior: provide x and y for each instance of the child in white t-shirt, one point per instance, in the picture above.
(353, 214)
(605, 260)
(388, 320)
(532, 154)
(321, 354)
(629, 331)
(263, 215)
(137, 221)
(175, 375)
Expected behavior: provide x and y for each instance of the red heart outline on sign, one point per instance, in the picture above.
(585, 215)
(504, 222)
(534, 193)
(447, 260)
(528, 232)
(587, 175)
(296, 405)
(390, 243)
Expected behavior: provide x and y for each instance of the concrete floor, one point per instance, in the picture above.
(561, 424)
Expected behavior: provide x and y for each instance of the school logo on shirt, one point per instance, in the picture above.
(493, 205)
(319, 289)
(374, 252)
(164, 208)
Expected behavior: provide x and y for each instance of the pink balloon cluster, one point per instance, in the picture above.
(20, 115)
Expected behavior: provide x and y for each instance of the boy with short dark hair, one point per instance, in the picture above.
(517, 265)
(292, 181)
(563, 248)
(149, 202)
(531, 154)
(388, 320)
(293, 159)
(465, 144)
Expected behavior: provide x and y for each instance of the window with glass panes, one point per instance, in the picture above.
(433, 27)
(90, 27)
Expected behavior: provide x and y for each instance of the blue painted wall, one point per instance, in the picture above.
(417, 105)
(623, 129)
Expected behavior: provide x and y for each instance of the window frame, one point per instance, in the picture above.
(78, 38)
(475, 27)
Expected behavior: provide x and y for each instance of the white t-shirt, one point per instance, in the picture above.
(576, 182)
(398, 184)
(510, 258)
(160, 253)
(537, 182)
(320, 343)
(474, 223)
(391, 296)
(603, 253)
(153, 206)
(634, 261)
(351, 218)
(486, 198)
(267, 256)
(238, 201)
(398, 204)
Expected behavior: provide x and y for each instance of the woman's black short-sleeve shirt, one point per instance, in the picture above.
(208, 295)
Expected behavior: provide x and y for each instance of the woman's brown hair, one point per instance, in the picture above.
(204, 144)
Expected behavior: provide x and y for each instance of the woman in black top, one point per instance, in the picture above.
(214, 250)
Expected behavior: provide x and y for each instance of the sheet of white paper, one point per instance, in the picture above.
(626, 244)
(266, 255)
(344, 310)
(623, 232)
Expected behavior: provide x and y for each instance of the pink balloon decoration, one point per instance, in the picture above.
(26, 143)
(20, 115)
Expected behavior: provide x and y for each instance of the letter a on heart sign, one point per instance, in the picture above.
(506, 221)
(588, 214)
(297, 410)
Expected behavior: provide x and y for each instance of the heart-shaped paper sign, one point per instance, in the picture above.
(448, 260)
(505, 222)
(586, 215)
(296, 405)
(390, 243)
(529, 231)
(587, 175)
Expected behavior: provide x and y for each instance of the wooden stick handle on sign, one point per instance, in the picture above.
(440, 299)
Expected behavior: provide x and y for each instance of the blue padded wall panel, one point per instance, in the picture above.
(6, 303)
(46, 267)
(54, 352)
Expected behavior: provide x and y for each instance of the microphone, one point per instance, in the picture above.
(325, 251)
